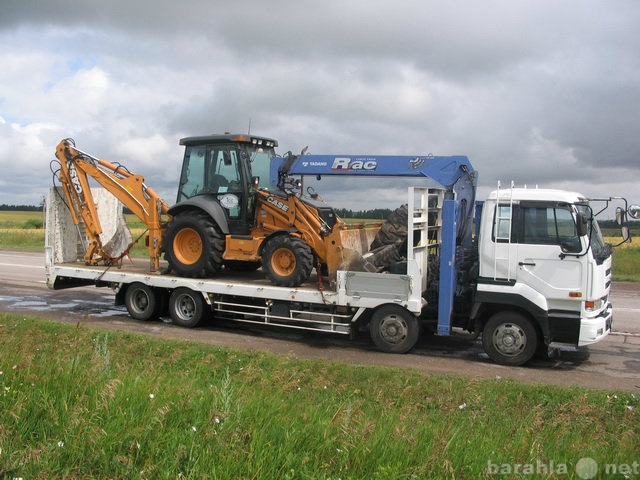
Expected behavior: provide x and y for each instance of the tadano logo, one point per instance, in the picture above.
(314, 164)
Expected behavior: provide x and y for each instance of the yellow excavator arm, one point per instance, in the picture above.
(76, 167)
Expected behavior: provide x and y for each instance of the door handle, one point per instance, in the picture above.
(528, 264)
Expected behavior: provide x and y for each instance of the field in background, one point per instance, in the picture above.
(82, 403)
(23, 230)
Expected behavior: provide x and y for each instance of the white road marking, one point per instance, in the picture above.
(41, 267)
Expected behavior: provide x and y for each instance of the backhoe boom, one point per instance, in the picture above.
(76, 167)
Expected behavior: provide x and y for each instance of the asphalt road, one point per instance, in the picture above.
(611, 364)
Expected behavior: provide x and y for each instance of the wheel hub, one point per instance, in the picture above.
(187, 246)
(141, 301)
(283, 261)
(393, 329)
(185, 307)
(509, 339)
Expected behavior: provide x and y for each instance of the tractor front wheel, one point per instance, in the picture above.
(287, 261)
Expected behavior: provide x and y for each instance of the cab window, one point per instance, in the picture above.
(550, 226)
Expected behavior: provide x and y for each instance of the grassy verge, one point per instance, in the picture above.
(80, 403)
(626, 260)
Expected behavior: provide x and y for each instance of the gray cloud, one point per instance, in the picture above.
(539, 92)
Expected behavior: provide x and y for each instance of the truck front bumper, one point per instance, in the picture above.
(595, 329)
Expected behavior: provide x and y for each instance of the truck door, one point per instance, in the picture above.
(545, 234)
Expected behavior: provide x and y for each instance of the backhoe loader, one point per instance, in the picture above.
(228, 212)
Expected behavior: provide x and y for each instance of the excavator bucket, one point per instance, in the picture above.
(120, 240)
(69, 242)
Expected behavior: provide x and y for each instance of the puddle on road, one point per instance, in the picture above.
(102, 307)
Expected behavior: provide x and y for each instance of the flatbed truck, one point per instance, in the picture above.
(536, 276)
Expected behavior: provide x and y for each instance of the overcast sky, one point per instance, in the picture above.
(539, 92)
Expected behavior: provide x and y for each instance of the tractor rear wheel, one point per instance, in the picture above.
(193, 245)
(287, 261)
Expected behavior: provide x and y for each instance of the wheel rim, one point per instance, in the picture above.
(283, 262)
(393, 329)
(140, 301)
(187, 246)
(185, 307)
(509, 339)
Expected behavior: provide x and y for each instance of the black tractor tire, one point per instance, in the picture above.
(187, 308)
(394, 229)
(394, 329)
(193, 245)
(287, 261)
(142, 302)
(509, 338)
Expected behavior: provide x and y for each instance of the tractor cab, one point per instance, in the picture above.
(228, 169)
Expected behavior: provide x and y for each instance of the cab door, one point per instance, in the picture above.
(546, 253)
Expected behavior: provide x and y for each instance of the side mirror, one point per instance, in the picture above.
(582, 224)
(621, 219)
(634, 211)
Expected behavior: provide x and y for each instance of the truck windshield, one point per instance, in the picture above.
(601, 249)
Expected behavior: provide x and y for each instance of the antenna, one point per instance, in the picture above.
(249, 132)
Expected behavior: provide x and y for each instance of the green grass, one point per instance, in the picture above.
(82, 403)
(13, 219)
(626, 260)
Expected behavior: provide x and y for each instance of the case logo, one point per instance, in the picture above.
(278, 204)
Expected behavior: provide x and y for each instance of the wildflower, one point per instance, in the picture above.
(152, 396)
(216, 420)
(193, 428)
(630, 408)
(463, 406)
(60, 444)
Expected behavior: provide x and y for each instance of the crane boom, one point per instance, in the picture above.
(454, 173)
(76, 167)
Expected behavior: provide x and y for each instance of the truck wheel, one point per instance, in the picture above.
(287, 261)
(193, 245)
(509, 338)
(394, 329)
(141, 301)
(186, 307)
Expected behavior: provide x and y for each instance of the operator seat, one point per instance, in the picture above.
(216, 181)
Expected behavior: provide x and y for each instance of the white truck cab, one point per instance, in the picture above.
(543, 258)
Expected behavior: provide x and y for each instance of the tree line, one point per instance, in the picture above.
(374, 214)
(20, 208)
